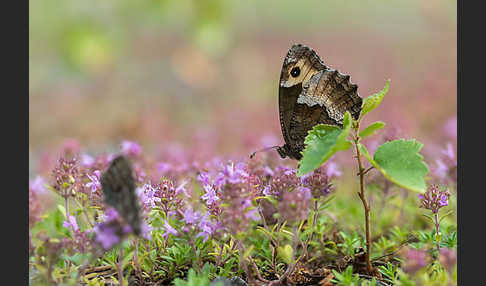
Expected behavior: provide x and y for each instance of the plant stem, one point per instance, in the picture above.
(314, 222)
(242, 260)
(363, 199)
(137, 263)
(85, 212)
(293, 263)
(436, 218)
(120, 266)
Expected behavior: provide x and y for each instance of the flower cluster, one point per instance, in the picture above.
(229, 196)
(433, 199)
(318, 181)
(67, 176)
(112, 229)
(202, 224)
(295, 205)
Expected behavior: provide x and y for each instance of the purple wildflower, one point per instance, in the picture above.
(433, 199)
(107, 234)
(251, 212)
(145, 230)
(210, 196)
(207, 228)
(190, 217)
(203, 179)
(95, 181)
(71, 223)
(168, 230)
(148, 197)
(318, 182)
(110, 215)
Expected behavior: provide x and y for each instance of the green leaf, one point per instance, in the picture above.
(400, 162)
(322, 142)
(63, 210)
(371, 129)
(371, 102)
(285, 253)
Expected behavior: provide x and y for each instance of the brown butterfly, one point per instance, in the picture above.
(119, 192)
(311, 93)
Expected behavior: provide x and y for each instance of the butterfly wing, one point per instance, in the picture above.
(315, 95)
(334, 92)
(119, 192)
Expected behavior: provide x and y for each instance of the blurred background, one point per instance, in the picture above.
(203, 75)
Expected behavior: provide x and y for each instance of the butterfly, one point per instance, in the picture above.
(119, 192)
(311, 93)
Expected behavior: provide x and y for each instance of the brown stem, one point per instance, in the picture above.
(255, 267)
(292, 265)
(314, 222)
(362, 196)
(120, 266)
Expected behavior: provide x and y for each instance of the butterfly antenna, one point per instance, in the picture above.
(262, 150)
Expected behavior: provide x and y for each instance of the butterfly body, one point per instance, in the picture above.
(119, 187)
(310, 93)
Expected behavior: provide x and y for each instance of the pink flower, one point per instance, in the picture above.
(130, 148)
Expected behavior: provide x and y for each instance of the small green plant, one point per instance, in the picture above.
(399, 161)
(346, 278)
(193, 279)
